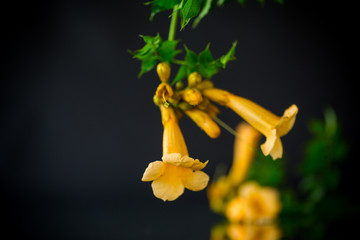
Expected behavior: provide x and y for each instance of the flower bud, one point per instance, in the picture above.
(184, 106)
(157, 100)
(194, 79)
(179, 85)
(205, 84)
(192, 96)
(163, 70)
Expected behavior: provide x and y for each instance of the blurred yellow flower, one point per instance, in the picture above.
(236, 231)
(217, 192)
(177, 170)
(270, 125)
(245, 146)
(236, 209)
(262, 204)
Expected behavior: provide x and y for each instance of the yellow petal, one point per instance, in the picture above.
(167, 187)
(197, 165)
(177, 160)
(277, 151)
(197, 181)
(287, 120)
(153, 171)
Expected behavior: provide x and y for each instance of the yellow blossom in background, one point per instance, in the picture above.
(270, 125)
(236, 231)
(235, 209)
(217, 192)
(245, 146)
(177, 170)
(253, 203)
(262, 204)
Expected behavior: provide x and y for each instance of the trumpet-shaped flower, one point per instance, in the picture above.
(177, 170)
(270, 125)
(245, 146)
(204, 121)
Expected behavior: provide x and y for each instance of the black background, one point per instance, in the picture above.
(77, 127)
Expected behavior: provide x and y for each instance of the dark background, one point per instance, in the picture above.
(77, 127)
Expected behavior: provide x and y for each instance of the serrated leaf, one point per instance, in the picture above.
(203, 13)
(207, 66)
(167, 51)
(148, 54)
(148, 63)
(181, 74)
(162, 5)
(191, 60)
(229, 56)
(189, 9)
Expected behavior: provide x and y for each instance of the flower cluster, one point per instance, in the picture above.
(177, 170)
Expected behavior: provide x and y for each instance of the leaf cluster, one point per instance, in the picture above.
(155, 49)
(203, 63)
(190, 9)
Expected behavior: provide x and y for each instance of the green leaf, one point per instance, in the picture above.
(182, 72)
(188, 10)
(167, 51)
(229, 56)
(148, 62)
(266, 171)
(191, 60)
(242, 2)
(148, 54)
(162, 5)
(207, 66)
(203, 13)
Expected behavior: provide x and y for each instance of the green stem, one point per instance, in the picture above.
(225, 126)
(174, 19)
(176, 61)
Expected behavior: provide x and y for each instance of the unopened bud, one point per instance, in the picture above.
(179, 85)
(157, 100)
(194, 79)
(205, 84)
(192, 96)
(184, 106)
(163, 70)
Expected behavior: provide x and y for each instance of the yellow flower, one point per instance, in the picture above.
(204, 121)
(177, 170)
(270, 125)
(245, 146)
(262, 204)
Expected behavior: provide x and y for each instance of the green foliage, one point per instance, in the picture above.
(204, 63)
(189, 9)
(316, 201)
(266, 171)
(155, 49)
